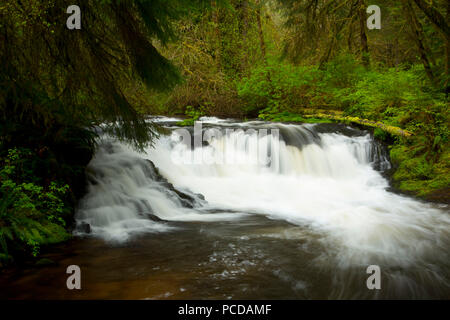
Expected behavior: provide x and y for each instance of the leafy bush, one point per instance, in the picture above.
(388, 95)
(277, 86)
(280, 86)
(31, 215)
(193, 115)
(380, 134)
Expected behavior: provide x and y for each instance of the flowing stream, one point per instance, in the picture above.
(299, 214)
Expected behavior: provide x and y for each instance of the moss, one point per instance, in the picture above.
(33, 213)
(417, 175)
(393, 130)
(380, 134)
(381, 129)
(318, 120)
(292, 117)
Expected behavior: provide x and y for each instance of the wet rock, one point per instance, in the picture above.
(84, 227)
(186, 199)
(153, 217)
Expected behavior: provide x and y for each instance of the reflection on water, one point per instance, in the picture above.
(253, 258)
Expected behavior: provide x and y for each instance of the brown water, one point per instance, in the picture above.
(253, 258)
(305, 227)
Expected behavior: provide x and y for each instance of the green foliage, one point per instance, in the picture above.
(418, 174)
(193, 115)
(209, 56)
(291, 117)
(276, 86)
(280, 86)
(49, 78)
(379, 93)
(31, 215)
(380, 134)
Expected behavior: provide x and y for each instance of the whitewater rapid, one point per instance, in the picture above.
(328, 181)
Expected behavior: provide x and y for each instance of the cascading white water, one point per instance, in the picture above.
(323, 181)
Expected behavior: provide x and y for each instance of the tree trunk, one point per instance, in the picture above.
(262, 43)
(417, 34)
(215, 13)
(245, 18)
(350, 36)
(363, 35)
(447, 56)
(338, 29)
(435, 16)
(244, 31)
(326, 57)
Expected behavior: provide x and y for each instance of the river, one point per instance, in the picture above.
(301, 217)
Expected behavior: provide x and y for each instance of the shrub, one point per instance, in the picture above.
(31, 215)
(193, 115)
(277, 86)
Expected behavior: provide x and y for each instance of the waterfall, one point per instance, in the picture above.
(326, 178)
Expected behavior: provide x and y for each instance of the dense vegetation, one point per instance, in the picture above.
(285, 60)
(316, 61)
